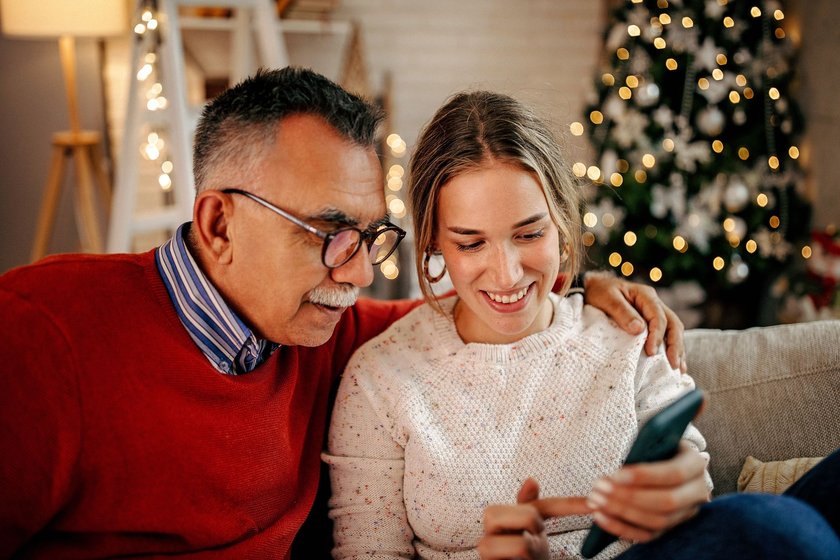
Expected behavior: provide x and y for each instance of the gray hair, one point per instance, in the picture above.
(237, 128)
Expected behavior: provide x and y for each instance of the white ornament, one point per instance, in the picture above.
(711, 121)
(614, 107)
(647, 95)
(706, 56)
(738, 270)
(737, 195)
(663, 116)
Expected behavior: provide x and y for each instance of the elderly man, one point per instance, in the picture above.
(174, 402)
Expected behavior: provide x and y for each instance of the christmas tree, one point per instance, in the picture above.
(697, 176)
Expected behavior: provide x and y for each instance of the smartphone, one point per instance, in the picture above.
(658, 440)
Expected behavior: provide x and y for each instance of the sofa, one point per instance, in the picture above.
(773, 394)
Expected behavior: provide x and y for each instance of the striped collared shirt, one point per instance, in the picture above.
(223, 338)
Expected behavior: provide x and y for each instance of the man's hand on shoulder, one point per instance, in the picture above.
(631, 305)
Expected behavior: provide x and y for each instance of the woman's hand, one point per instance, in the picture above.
(641, 501)
(632, 306)
(517, 531)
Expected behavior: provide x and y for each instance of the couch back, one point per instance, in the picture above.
(773, 393)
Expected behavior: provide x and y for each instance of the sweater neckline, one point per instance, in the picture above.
(566, 312)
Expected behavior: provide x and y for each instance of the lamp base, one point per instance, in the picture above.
(83, 146)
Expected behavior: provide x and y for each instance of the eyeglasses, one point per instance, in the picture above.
(341, 245)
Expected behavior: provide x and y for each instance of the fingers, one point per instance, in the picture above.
(514, 531)
(529, 491)
(674, 340)
(512, 546)
(604, 291)
(505, 518)
(561, 507)
(640, 501)
(645, 300)
(686, 465)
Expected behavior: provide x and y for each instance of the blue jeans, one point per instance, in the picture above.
(802, 523)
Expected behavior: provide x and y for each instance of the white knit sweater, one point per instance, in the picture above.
(427, 431)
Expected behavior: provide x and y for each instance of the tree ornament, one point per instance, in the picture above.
(711, 121)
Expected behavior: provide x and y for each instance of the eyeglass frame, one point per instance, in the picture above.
(366, 237)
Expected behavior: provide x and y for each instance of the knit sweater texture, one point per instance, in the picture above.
(120, 439)
(427, 431)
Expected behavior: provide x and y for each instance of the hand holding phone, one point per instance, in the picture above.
(658, 440)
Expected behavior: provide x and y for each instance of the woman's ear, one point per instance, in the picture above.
(212, 231)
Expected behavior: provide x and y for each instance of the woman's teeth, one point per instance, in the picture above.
(508, 298)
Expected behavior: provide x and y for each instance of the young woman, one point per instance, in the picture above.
(473, 401)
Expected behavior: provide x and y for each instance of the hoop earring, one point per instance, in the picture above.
(564, 254)
(429, 277)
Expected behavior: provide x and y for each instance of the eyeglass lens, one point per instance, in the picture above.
(345, 243)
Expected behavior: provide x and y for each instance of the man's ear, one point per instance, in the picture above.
(211, 225)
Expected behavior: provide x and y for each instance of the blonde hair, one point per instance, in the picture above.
(471, 129)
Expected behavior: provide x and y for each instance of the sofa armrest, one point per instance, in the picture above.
(774, 393)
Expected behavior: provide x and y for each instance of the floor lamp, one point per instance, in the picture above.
(68, 19)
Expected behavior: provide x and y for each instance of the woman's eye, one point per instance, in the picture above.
(534, 235)
(468, 247)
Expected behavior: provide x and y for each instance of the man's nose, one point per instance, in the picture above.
(357, 271)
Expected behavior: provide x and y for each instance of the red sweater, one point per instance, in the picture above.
(119, 438)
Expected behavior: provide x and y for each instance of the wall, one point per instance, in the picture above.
(819, 76)
(33, 106)
(542, 51)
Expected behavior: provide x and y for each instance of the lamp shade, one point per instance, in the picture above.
(54, 18)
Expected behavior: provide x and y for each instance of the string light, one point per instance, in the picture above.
(576, 128)
(718, 263)
(616, 179)
(664, 19)
(728, 22)
(761, 200)
(655, 274)
(671, 64)
(627, 269)
(806, 252)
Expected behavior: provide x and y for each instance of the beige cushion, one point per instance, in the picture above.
(774, 392)
(774, 476)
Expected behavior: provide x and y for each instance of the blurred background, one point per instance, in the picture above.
(703, 132)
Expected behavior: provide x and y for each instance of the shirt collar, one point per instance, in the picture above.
(223, 338)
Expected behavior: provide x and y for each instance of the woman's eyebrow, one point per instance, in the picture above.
(530, 220)
(527, 221)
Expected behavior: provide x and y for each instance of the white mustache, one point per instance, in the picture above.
(341, 296)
